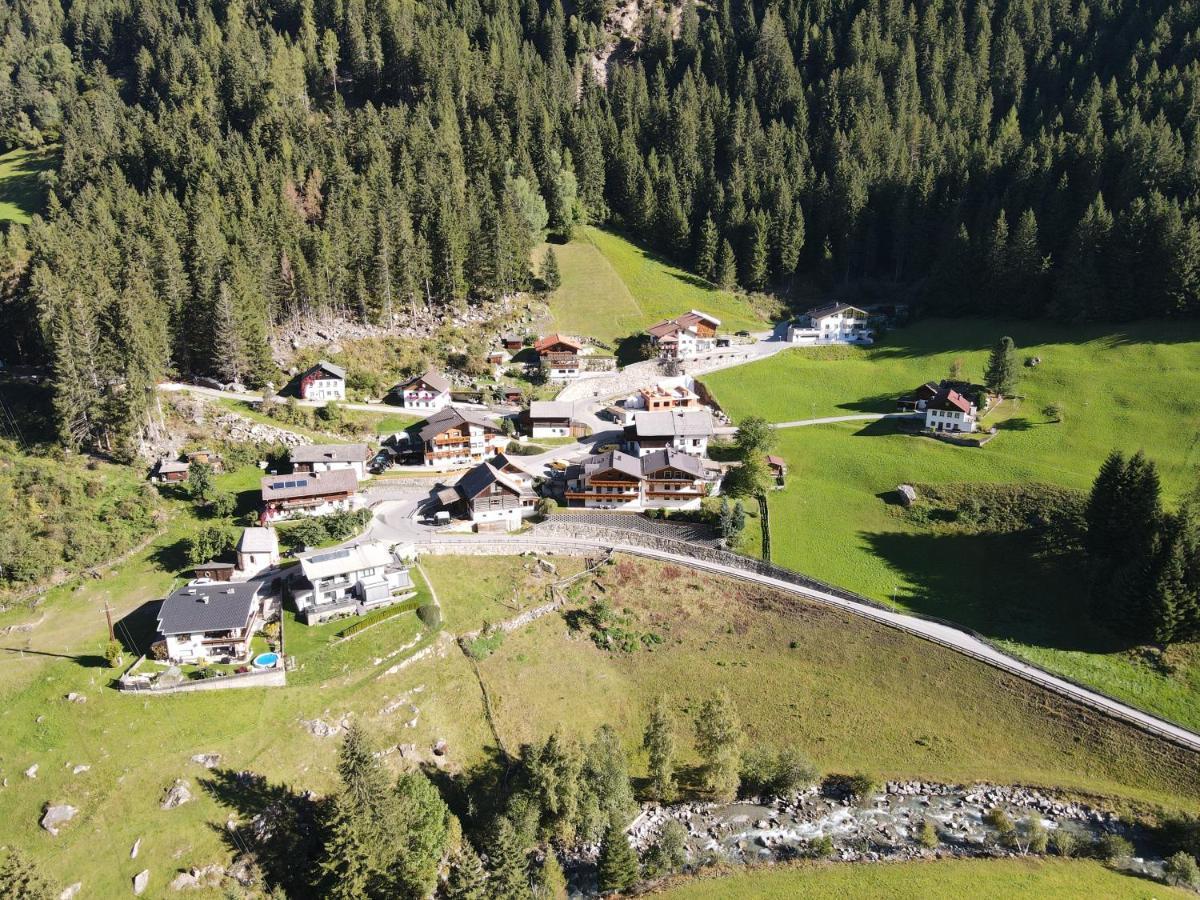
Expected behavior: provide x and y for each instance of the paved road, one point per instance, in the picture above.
(938, 633)
(857, 417)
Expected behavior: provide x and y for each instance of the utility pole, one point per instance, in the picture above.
(108, 617)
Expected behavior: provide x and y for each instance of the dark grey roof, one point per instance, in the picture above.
(830, 309)
(304, 484)
(315, 453)
(208, 607)
(662, 459)
(480, 478)
(451, 417)
(550, 409)
(329, 367)
(613, 459)
(669, 423)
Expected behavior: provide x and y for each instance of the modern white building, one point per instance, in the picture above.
(323, 382)
(687, 430)
(429, 391)
(313, 458)
(835, 323)
(211, 622)
(351, 580)
(550, 419)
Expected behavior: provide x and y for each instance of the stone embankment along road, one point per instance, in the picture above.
(938, 633)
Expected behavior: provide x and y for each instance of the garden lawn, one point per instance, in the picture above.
(1139, 389)
(852, 694)
(612, 288)
(1036, 879)
(21, 194)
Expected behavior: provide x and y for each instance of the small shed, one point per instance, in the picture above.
(513, 396)
(169, 471)
(908, 494)
(205, 457)
(216, 571)
(777, 465)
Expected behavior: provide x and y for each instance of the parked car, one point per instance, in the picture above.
(742, 333)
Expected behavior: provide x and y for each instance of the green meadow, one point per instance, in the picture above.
(21, 194)
(1134, 388)
(1035, 879)
(612, 288)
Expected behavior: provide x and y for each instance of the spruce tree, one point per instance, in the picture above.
(726, 266)
(1000, 376)
(659, 743)
(719, 741)
(618, 867)
(21, 879)
(551, 278)
(725, 518)
(706, 249)
(467, 878)
(507, 863)
(739, 518)
(551, 880)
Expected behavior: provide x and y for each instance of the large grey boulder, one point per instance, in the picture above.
(70, 892)
(57, 816)
(140, 881)
(177, 794)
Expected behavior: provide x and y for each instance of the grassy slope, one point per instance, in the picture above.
(20, 193)
(1138, 389)
(1044, 879)
(852, 694)
(612, 288)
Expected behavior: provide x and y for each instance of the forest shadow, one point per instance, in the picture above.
(477, 794)
(282, 829)
(997, 585)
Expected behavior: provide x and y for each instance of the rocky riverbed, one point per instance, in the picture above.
(882, 827)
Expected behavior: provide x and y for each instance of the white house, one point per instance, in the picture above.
(685, 336)
(550, 419)
(211, 622)
(257, 549)
(351, 581)
(323, 382)
(429, 391)
(687, 430)
(950, 411)
(835, 323)
(662, 479)
(313, 458)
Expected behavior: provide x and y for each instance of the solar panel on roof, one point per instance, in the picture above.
(332, 555)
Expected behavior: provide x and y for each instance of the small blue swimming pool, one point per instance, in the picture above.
(266, 660)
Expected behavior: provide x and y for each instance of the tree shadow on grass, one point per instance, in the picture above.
(281, 830)
(879, 403)
(1016, 424)
(997, 585)
(477, 795)
(879, 428)
(631, 349)
(171, 557)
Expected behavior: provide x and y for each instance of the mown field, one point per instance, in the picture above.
(1043, 879)
(1136, 389)
(21, 195)
(851, 695)
(612, 288)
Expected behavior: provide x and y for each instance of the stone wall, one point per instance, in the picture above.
(276, 677)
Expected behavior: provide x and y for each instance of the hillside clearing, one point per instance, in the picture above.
(1135, 390)
(21, 193)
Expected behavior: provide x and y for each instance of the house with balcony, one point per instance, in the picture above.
(495, 496)
(685, 430)
(454, 438)
(685, 337)
(212, 622)
(429, 391)
(663, 479)
(351, 581)
(316, 494)
(834, 323)
(323, 382)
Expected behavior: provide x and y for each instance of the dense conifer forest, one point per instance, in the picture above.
(226, 165)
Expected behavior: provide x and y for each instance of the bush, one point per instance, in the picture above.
(209, 543)
(158, 650)
(546, 506)
(112, 654)
(1000, 820)
(1180, 869)
(430, 615)
(222, 504)
(669, 851)
(1063, 843)
(271, 631)
(1112, 848)
(928, 835)
(861, 785)
(765, 773)
(820, 848)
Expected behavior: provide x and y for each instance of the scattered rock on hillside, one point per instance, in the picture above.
(76, 698)
(208, 760)
(57, 816)
(133, 851)
(201, 877)
(71, 891)
(32, 771)
(177, 794)
(80, 769)
(140, 881)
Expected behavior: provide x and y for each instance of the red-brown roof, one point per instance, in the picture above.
(950, 399)
(776, 461)
(552, 340)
